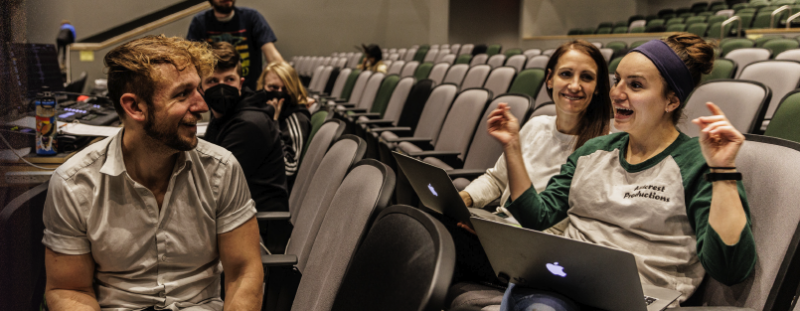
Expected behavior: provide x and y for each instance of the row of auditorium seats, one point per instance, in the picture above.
(753, 15)
(447, 131)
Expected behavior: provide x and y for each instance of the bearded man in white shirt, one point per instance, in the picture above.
(148, 218)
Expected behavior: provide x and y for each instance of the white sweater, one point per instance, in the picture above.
(544, 150)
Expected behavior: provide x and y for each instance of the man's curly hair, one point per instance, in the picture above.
(131, 66)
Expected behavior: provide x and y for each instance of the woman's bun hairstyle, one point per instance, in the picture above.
(695, 52)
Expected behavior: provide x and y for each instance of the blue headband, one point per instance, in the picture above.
(671, 67)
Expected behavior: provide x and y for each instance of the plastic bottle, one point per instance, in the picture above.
(46, 123)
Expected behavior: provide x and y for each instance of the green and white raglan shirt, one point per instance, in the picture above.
(657, 210)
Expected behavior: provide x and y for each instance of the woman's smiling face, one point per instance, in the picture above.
(638, 96)
(573, 82)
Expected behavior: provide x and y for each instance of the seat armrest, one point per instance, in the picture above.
(396, 129)
(376, 122)
(448, 157)
(366, 114)
(470, 174)
(278, 260)
(273, 216)
(408, 139)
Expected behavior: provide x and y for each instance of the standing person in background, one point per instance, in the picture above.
(243, 124)
(290, 101)
(66, 36)
(244, 28)
(373, 59)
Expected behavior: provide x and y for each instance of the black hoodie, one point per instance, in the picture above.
(254, 138)
(295, 123)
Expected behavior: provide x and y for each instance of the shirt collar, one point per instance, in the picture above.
(115, 164)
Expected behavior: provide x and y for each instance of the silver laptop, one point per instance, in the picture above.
(436, 190)
(590, 274)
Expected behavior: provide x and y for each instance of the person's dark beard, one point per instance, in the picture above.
(222, 9)
(167, 134)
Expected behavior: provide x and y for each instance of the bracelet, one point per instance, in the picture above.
(712, 177)
(722, 167)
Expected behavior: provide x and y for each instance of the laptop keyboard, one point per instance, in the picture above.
(649, 300)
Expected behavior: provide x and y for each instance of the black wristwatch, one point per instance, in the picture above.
(712, 177)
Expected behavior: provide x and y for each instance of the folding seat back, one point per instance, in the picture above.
(392, 50)
(22, 266)
(326, 60)
(421, 52)
(341, 81)
(341, 63)
(733, 44)
(456, 73)
(410, 54)
(539, 61)
(435, 110)
(397, 100)
(384, 94)
(437, 73)
(434, 47)
(423, 70)
(479, 59)
(318, 118)
(517, 62)
(793, 54)
(635, 24)
(444, 47)
(388, 63)
(612, 66)
(341, 156)
(354, 60)
(496, 60)
(409, 69)
(401, 53)
(466, 49)
(620, 29)
(747, 56)
(607, 53)
(674, 21)
(694, 20)
(777, 46)
(414, 104)
(528, 82)
(328, 132)
(532, 52)
(476, 76)
(500, 79)
(464, 59)
(371, 90)
(358, 87)
(699, 29)
(441, 55)
(405, 262)
(315, 77)
(723, 69)
(493, 49)
(363, 193)
(766, 38)
(542, 97)
(770, 169)
(744, 103)
(430, 56)
(460, 123)
(484, 149)
(323, 79)
(511, 52)
(781, 76)
(454, 48)
(448, 59)
(396, 68)
(394, 57)
(545, 109)
(784, 121)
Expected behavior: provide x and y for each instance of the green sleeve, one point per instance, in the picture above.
(540, 211)
(728, 264)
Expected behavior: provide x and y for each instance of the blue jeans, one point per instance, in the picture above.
(528, 299)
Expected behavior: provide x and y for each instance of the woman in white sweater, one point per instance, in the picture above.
(578, 83)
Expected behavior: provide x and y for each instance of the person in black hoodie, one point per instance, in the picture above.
(243, 123)
(292, 112)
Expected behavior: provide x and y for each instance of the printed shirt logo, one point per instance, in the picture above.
(648, 192)
(239, 40)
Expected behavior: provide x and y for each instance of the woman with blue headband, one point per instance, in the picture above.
(676, 203)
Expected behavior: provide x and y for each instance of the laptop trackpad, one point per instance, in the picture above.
(664, 296)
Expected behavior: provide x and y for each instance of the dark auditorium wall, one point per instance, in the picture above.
(489, 22)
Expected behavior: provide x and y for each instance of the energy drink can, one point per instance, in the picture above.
(46, 123)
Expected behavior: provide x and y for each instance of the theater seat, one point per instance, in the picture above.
(784, 121)
(781, 76)
(744, 103)
(476, 77)
(746, 56)
(528, 82)
(438, 72)
(405, 262)
(479, 59)
(499, 80)
(539, 61)
(723, 69)
(456, 73)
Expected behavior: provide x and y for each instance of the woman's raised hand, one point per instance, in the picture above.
(502, 125)
(719, 140)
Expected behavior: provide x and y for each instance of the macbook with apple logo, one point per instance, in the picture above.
(590, 274)
(436, 191)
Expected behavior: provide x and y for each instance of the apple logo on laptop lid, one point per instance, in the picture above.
(433, 191)
(555, 269)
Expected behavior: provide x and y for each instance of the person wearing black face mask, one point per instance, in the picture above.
(243, 123)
